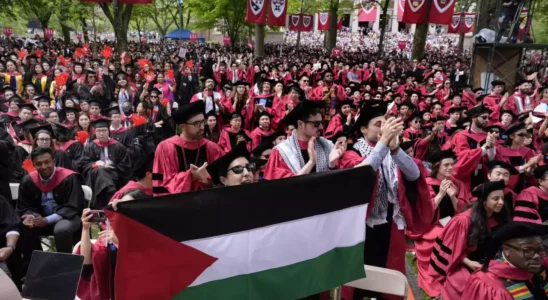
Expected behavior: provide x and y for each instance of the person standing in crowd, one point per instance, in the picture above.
(180, 162)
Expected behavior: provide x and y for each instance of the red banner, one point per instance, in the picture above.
(469, 22)
(401, 9)
(48, 33)
(441, 12)
(226, 40)
(455, 26)
(367, 11)
(8, 31)
(323, 21)
(402, 45)
(256, 11)
(79, 36)
(277, 13)
(414, 12)
(340, 24)
(302, 21)
(307, 22)
(193, 36)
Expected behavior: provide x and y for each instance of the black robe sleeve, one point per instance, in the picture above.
(120, 158)
(75, 151)
(90, 155)
(109, 85)
(9, 220)
(30, 197)
(64, 160)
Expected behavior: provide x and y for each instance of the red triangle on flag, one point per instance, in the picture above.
(151, 265)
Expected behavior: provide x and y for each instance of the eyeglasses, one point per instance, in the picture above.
(315, 123)
(483, 117)
(240, 169)
(305, 80)
(521, 134)
(197, 123)
(529, 253)
(494, 131)
(153, 96)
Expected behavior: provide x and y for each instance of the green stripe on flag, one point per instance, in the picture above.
(329, 270)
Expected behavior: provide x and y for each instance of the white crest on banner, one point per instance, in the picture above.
(324, 16)
(445, 3)
(257, 6)
(295, 20)
(415, 5)
(368, 6)
(307, 20)
(469, 20)
(455, 21)
(278, 7)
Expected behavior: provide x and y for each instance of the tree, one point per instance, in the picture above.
(162, 14)
(140, 16)
(66, 12)
(41, 9)
(227, 15)
(118, 15)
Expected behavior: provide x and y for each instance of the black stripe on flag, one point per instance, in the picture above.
(213, 212)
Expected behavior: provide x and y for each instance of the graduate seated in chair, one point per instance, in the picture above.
(51, 200)
(518, 270)
(105, 164)
(10, 228)
(234, 168)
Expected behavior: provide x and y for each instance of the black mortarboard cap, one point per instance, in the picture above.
(45, 128)
(498, 82)
(516, 230)
(455, 109)
(63, 131)
(43, 98)
(478, 110)
(494, 126)
(540, 171)
(28, 124)
(142, 166)
(406, 145)
(302, 109)
(492, 164)
(70, 109)
(220, 166)
(27, 106)
(345, 102)
(95, 102)
(241, 82)
(483, 190)
(338, 135)
(264, 113)
(370, 110)
(113, 110)
(267, 142)
(187, 111)
(439, 155)
(514, 117)
(513, 128)
(100, 123)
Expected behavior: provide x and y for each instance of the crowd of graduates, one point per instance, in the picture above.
(455, 163)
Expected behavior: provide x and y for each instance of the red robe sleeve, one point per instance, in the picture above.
(316, 94)
(217, 77)
(350, 159)
(97, 287)
(421, 148)
(467, 159)
(463, 195)
(450, 248)
(526, 207)
(485, 286)
(276, 168)
(335, 125)
(255, 137)
(194, 98)
(167, 172)
(224, 141)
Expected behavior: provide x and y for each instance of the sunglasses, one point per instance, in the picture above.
(483, 117)
(240, 169)
(315, 123)
(522, 134)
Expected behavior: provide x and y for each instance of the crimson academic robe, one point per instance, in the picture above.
(319, 93)
(249, 114)
(467, 146)
(424, 243)
(96, 281)
(417, 210)
(448, 274)
(173, 157)
(412, 134)
(257, 135)
(277, 168)
(531, 205)
(131, 185)
(337, 124)
(66, 187)
(516, 158)
(492, 102)
(502, 282)
(518, 102)
(104, 181)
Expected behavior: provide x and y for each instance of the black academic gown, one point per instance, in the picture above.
(7, 164)
(187, 86)
(105, 181)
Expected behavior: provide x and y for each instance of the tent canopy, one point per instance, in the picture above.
(181, 33)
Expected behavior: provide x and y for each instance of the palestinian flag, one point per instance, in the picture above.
(281, 239)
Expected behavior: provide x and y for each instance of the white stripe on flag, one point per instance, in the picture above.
(281, 244)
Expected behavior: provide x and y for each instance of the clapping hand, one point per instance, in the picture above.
(200, 174)
(312, 151)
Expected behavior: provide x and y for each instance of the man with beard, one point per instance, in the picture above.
(473, 147)
(180, 161)
(330, 93)
(521, 101)
(105, 164)
(211, 99)
(304, 152)
(517, 270)
(127, 114)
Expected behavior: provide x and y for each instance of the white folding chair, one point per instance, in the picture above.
(380, 280)
(14, 187)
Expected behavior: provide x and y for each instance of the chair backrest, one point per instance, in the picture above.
(88, 193)
(14, 187)
(382, 280)
(8, 290)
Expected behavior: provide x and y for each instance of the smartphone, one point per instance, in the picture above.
(98, 216)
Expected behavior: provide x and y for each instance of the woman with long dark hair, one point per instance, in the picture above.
(459, 250)
(211, 130)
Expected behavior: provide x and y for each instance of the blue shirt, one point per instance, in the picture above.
(48, 202)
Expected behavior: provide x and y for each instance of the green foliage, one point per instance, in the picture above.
(540, 22)
(163, 13)
(227, 15)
